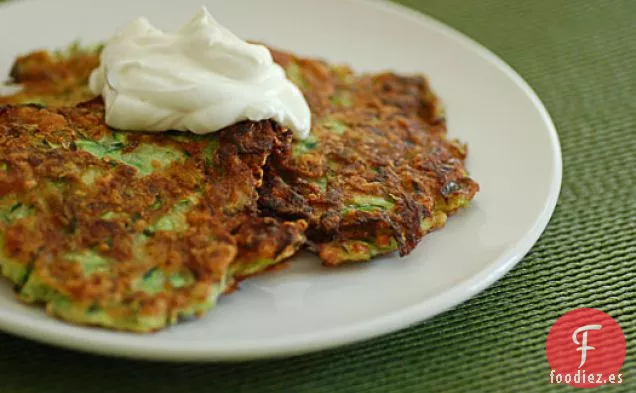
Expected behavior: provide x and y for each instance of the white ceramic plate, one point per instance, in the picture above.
(514, 155)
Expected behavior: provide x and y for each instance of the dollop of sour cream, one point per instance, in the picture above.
(201, 79)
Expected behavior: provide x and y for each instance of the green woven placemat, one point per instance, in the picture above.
(580, 57)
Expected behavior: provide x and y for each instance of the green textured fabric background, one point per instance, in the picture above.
(580, 57)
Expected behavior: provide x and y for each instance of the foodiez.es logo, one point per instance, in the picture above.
(586, 348)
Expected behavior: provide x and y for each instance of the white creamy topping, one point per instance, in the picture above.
(201, 79)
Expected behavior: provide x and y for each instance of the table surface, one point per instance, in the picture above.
(580, 57)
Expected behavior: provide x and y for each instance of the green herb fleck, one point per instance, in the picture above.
(304, 146)
(294, 73)
(342, 98)
(335, 126)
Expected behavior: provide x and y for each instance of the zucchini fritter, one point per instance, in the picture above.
(59, 78)
(132, 231)
(377, 172)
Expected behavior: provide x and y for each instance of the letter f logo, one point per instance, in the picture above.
(584, 347)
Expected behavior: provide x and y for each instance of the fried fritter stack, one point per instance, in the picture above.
(136, 231)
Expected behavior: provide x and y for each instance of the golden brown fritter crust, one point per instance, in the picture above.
(131, 230)
(377, 172)
(266, 239)
(50, 79)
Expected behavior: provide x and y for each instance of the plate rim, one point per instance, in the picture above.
(401, 319)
